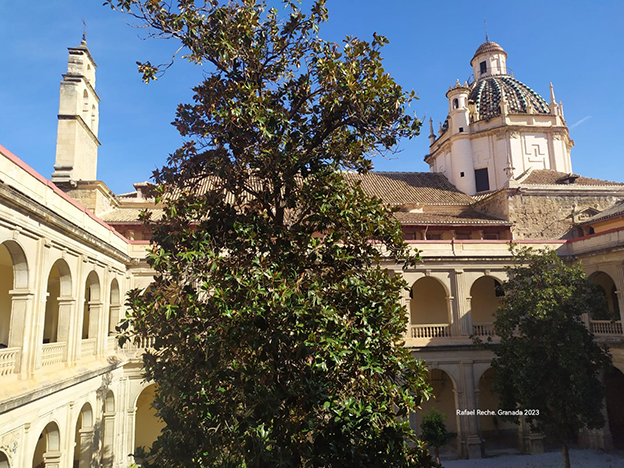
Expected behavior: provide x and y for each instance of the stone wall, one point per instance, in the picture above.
(541, 214)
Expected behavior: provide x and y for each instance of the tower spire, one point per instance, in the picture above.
(487, 39)
(84, 31)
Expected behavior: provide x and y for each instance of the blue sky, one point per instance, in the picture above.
(575, 44)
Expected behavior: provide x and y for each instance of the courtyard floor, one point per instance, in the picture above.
(578, 459)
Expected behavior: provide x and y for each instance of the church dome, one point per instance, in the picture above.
(489, 47)
(486, 94)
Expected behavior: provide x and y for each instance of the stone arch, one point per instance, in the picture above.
(444, 399)
(92, 300)
(614, 382)
(608, 287)
(485, 295)
(4, 460)
(109, 402)
(48, 448)
(13, 278)
(59, 292)
(429, 301)
(84, 446)
(147, 425)
(85, 104)
(496, 433)
(114, 307)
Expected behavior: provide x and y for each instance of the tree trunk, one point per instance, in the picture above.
(437, 454)
(566, 455)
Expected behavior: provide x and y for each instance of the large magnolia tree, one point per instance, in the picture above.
(277, 331)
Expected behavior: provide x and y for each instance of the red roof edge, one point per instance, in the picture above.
(11, 157)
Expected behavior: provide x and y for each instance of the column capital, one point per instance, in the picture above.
(21, 294)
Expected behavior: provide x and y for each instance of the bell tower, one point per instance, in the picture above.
(77, 139)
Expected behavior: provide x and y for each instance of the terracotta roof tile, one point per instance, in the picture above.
(611, 212)
(549, 177)
(398, 188)
(127, 215)
(467, 217)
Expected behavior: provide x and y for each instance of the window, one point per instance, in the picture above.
(455, 103)
(461, 129)
(491, 236)
(481, 179)
(461, 174)
(463, 235)
(434, 236)
(482, 67)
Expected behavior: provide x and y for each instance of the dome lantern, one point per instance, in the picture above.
(488, 60)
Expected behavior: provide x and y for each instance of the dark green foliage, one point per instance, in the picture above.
(434, 433)
(547, 360)
(278, 334)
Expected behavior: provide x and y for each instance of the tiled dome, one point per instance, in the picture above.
(486, 94)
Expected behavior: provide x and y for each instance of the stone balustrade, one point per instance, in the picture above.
(483, 329)
(433, 330)
(605, 327)
(87, 347)
(9, 358)
(53, 353)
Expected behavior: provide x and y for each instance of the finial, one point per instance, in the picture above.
(509, 169)
(84, 32)
(552, 95)
(487, 39)
(432, 136)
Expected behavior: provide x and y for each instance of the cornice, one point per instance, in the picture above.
(16, 200)
(494, 131)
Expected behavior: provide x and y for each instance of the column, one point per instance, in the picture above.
(619, 290)
(454, 325)
(64, 334)
(470, 437)
(405, 302)
(22, 307)
(464, 325)
(108, 440)
(95, 317)
(86, 447)
(130, 436)
(52, 459)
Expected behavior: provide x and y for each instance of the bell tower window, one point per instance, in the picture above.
(483, 67)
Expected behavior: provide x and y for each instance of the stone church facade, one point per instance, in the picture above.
(70, 249)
